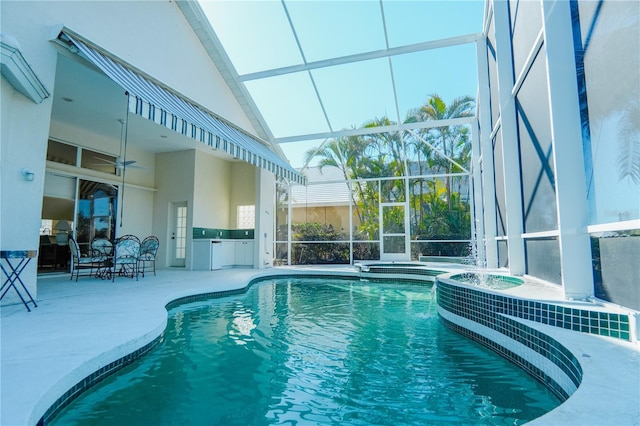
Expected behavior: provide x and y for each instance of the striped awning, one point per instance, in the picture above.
(153, 102)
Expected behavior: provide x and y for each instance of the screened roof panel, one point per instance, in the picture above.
(296, 152)
(357, 99)
(298, 111)
(258, 27)
(411, 22)
(436, 69)
(315, 22)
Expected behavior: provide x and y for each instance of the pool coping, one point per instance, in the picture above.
(32, 385)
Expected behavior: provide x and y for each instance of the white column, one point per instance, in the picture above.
(263, 250)
(289, 221)
(350, 186)
(485, 180)
(571, 199)
(475, 197)
(510, 156)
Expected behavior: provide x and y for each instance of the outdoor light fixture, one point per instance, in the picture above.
(28, 174)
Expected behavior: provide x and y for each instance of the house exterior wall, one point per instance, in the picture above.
(24, 130)
(167, 49)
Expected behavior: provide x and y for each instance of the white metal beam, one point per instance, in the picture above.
(509, 130)
(483, 144)
(382, 129)
(366, 56)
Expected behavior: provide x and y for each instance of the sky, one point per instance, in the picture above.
(258, 36)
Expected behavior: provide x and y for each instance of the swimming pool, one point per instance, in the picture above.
(313, 351)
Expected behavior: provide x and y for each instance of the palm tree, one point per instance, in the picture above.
(436, 109)
(388, 143)
(387, 155)
(347, 154)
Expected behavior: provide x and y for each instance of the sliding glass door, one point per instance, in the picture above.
(96, 214)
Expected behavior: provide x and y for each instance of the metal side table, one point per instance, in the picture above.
(12, 263)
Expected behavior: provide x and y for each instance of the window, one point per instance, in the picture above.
(45, 226)
(63, 153)
(246, 217)
(97, 161)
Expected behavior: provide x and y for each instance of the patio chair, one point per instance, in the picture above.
(125, 257)
(80, 262)
(148, 251)
(102, 248)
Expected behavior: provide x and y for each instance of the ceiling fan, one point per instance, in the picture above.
(120, 163)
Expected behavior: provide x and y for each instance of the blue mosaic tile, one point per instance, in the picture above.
(485, 308)
(93, 379)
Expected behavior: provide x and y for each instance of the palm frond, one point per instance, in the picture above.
(629, 143)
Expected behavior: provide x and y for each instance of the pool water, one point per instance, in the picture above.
(313, 351)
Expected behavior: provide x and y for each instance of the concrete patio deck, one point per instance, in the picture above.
(80, 327)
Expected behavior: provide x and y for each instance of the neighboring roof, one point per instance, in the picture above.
(316, 193)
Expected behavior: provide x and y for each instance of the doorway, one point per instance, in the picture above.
(73, 206)
(178, 234)
(96, 213)
(394, 224)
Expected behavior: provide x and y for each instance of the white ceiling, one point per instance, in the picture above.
(86, 99)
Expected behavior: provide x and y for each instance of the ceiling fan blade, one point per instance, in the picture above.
(133, 166)
(118, 164)
(104, 160)
(129, 164)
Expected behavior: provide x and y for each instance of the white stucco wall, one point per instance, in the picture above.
(212, 190)
(138, 204)
(175, 175)
(243, 190)
(164, 47)
(24, 128)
